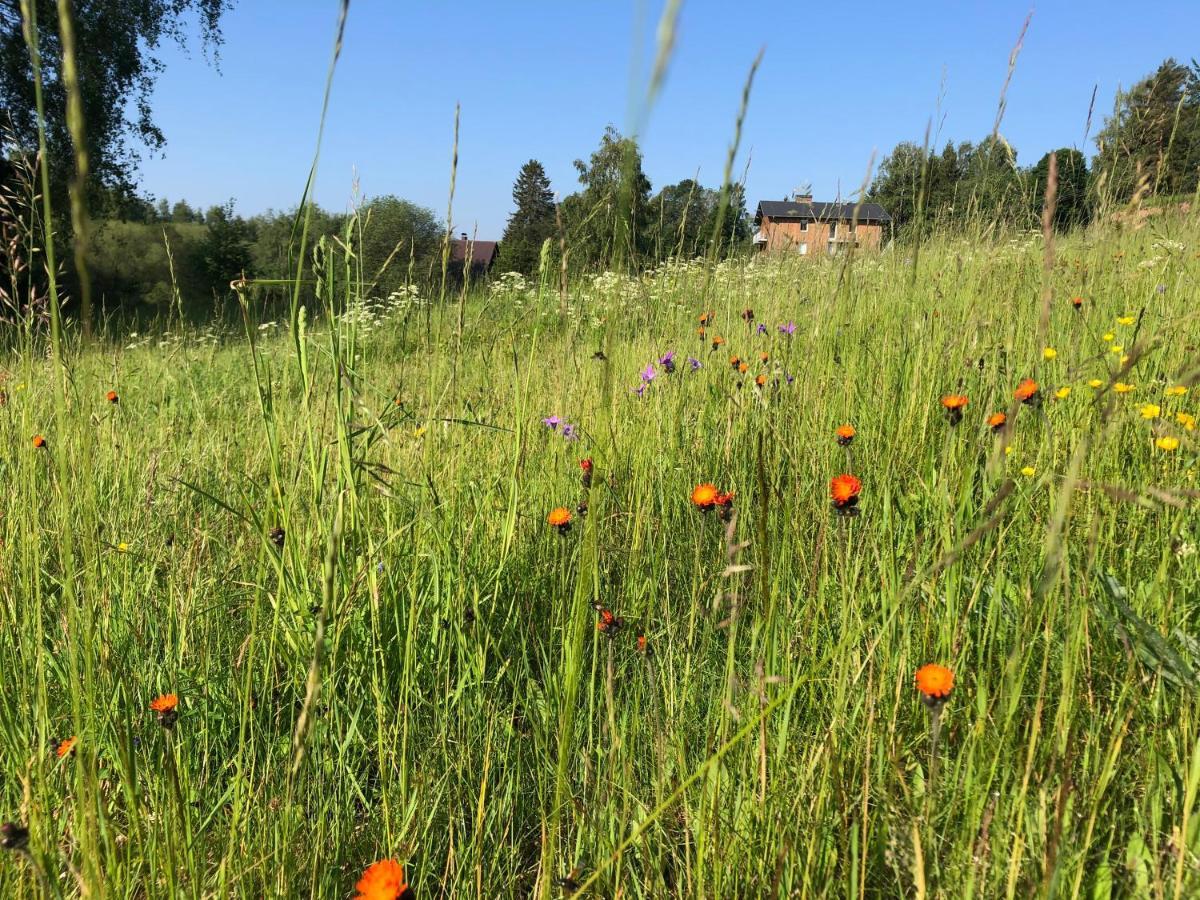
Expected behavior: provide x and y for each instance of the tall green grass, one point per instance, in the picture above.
(416, 671)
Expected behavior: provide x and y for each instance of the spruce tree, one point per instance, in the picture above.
(530, 223)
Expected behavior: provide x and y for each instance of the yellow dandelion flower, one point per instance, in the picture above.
(1177, 390)
(122, 547)
(1109, 337)
(1028, 471)
(1122, 388)
(1063, 393)
(1125, 320)
(1008, 450)
(1187, 420)
(1167, 443)
(1095, 383)
(1117, 348)
(1150, 411)
(1049, 353)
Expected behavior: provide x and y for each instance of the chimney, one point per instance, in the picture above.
(803, 195)
(464, 234)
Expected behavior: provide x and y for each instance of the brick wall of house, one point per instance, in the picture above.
(789, 234)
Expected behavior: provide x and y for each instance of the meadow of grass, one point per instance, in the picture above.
(329, 538)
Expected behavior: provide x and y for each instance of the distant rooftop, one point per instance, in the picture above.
(819, 211)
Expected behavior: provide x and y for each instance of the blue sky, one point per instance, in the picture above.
(838, 82)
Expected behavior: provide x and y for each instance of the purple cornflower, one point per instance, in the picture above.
(789, 378)
(648, 373)
(639, 390)
(762, 329)
(570, 433)
(667, 361)
(694, 363)
(788, 329)
(551, 422)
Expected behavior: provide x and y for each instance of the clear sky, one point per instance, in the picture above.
(839, 81)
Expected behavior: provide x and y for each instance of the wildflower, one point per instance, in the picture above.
(642, 646)
(743, 367)
(1062, 393)
(717, 342)
(39, 442)
(764, 356)
(1167, 443)
(735, 361)
(383, 880)
(1049, 353)
(1150, 411)
(762, 329)
(112, 397)
(1187, 420)
(1028, 471)
(1122, 388)
(760, 380)
(705, 318)
(551, 422)
(560, 518)
(570, 432)
(1008, 450)
(935, 683)
(788, 328)
(1095, 383)
(667, 361)
(65, 747)
(845, 434)
(1177, 390)
(648, 373)
(639, 390)
(694, 363)
(1108, 337)
(1027, 391)
(166, 705)
(1125, 320)
(704, 495)
(700, 331)
(122, 547)
(748, 315)
(1117, 348)
(955, 404)
(277, 534)
(14, 836)
(609, 623)
(844, 490)
(1077, 302)
(996, 421)
(585, 466)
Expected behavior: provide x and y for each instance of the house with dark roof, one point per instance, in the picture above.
(483, 256)
(812, 228)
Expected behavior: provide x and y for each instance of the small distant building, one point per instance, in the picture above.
(483, 256)
(810, 228)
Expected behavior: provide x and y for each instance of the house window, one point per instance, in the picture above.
(832, 230)
(804, 225)
(850, 228)
(803, 249)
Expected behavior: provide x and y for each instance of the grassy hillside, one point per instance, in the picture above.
(329, 539)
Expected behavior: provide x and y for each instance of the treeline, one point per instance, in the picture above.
(1147, 150)
(158, 253)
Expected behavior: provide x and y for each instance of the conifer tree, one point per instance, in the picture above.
(530, 223)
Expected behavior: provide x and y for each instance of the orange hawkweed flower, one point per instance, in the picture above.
(845, 434)
(704, 495)
(1027, 391)
(700, 331)
(705, 317)
(996, 421)
(641, 644)
(743, 367)
(1077, 302)
(609, 622)
(717, 342)
(560, 518)
(166, 705)
(735, 360)
(65, 747)
(383, 880)
(954, 405)
(934, 682)
(39, 442)
(844, 489)
(760, 380)
(112, 397)
(764, 356)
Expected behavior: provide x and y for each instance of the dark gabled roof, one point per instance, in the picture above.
(483, 253)
(821, 212)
